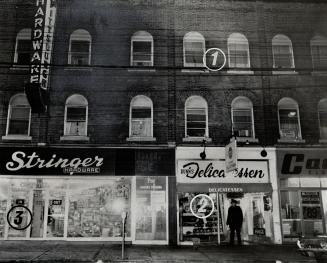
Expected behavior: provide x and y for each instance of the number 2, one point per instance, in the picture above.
(204, 203)
(18, 219)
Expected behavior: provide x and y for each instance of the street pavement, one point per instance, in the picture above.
(68, 251)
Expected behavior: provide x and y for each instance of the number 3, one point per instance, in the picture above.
(18, 219)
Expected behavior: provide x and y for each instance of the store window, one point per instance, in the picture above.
(319, 52)
(80, 48)
(282, 52)
(23, 47)
(289, 121)
(76, 113)
(322, 115)
(242, 117)
(290, 213)
(141, 117)
(151, 208)
(193, 48)
(4, 196)
(142, 49)
(196, 117)
(19, 116)
(95, 208)
(238, 51)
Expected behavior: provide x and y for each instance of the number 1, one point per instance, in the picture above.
(215, 56)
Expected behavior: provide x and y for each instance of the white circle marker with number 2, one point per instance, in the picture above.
(204, 202)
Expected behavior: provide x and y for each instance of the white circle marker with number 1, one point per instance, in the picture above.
(214, 55)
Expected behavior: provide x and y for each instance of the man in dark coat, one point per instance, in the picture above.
(234, 221)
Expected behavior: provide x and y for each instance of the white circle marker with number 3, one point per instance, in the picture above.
(203, 202)
(215, 58)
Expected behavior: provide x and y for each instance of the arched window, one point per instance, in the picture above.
(196, 116)
(23, 47)
(242, 117)
(142, 49)
(238, 51)
(80, 48)
(141, 117)
(322, 114)
(282, 52)
(289, 120)
(194, 48)
(76, 113)
(19, 116)
(319, 52)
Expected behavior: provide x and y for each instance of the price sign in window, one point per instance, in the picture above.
(311, 205)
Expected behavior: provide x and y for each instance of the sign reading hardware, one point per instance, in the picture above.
(196, 171)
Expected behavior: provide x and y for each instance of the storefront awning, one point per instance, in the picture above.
(224, 188)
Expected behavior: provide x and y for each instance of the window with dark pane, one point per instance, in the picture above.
(282, 56)
(79, 52)
(141, 122)
(193, 52)
(142, 51)
(196, 122)
(24, 51)
(289, 123)
(76, 121)
(19, 120)
(242, 122)
(319, 56)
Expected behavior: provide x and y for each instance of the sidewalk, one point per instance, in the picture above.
(63, 251)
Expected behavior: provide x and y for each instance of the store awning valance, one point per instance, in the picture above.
(225, 188)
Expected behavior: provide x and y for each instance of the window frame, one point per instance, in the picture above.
(206, 135)
(79, 35)
(235, 100)
(321, 102)
(193, 36)
(317, 40)
(141, 36)
(9, 116)
(238, 38)
(146, 98)
(289, 107)
(23, 34)
(282, 40)
(76, 106)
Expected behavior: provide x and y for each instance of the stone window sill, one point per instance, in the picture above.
(240, 72)
(287, 140)
(74, 138)
(195, 70)
(141, 70)
(247, 139)
(197, 139)
(323, 141)
(284, 72)
(80, 68)
(20, 67)
(319, 73)
(141, 139)
(17, 138)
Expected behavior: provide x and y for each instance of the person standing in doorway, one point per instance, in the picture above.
(234, 221)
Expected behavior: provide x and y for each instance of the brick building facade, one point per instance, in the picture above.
(127, 76)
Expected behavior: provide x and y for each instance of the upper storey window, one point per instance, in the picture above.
(322, 114)
(242, 117)
(282, 52)
(196, 116)
(76, 112)
(142, 49)
(23, 47)
(319, 52)
(194, 48)
(80, 48)
(289, 120)
(19, 116)
(238, 51)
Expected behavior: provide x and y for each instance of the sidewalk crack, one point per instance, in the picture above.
(45, 252)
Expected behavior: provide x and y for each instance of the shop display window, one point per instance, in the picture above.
(95, 208)
(151, 208)
(4, 195)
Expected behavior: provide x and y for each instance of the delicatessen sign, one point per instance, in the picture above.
(213, 171)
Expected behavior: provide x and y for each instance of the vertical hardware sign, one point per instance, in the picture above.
(42, 41)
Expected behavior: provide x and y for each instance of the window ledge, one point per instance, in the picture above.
(74, 138)
(141, 139)
(197, 139)
(82, 68)
(240, 71)
(247, 139)
(17, 137)
(20, 67)
(285, 140)
(141, 70)
(284, 72)
(323, 141)
(319, 73)
(195, 70)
